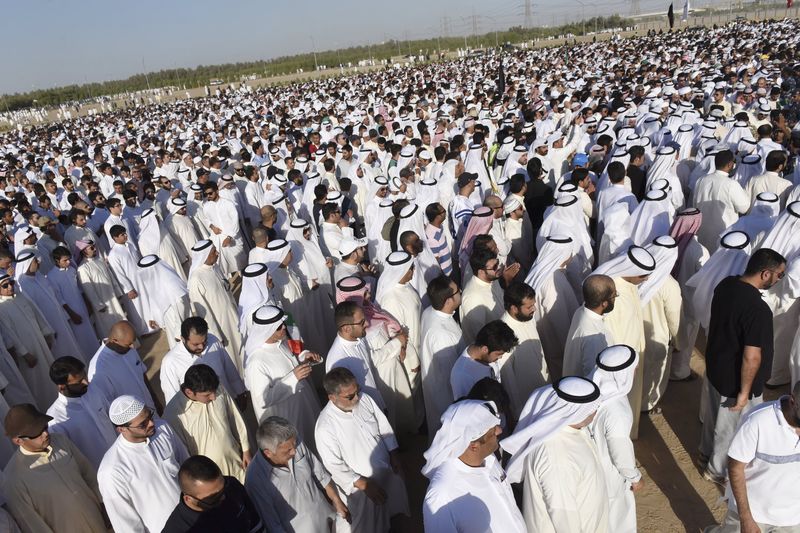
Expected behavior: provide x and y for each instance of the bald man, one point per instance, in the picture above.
(588, 333)
(258, 254)
(116, 368)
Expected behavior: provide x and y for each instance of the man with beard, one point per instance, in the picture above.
(522, 369)
(77, 413)
(198, 346)
(588, 333)
(739, 355)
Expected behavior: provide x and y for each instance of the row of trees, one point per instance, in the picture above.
(231, 72)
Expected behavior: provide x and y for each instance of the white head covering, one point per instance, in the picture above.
(166, 287)
(730, 259)
(556, 250)
(636, 261)
(462, 423)
(265, 322)
(783, 236)
(664, 250)
(651, 218)
(565, 217)
(175, 205)
(277, 251)
(255, 292)
(395, 267)
(548, 410)
(760, 219)
(614, 373)
(149, 233)
(200, 252)
(22, 233)
(307, 253)
(124, 409)
(24, 260)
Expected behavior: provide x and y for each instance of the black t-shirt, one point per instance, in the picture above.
(236, 514)
(638, 181)
(538, 198)
(739, 318)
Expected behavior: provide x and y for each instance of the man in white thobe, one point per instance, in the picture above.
(138, 477)
(523, 368)
(482, 299)
(116, 368)
(611, 429)
(78, 413)
(588, 333)
(289, 486)
(468, 490)
(358, 447)
(165, 299)
(28, 337)
(100, 288)
(223, 222)
(208, 423)
(720, 199)
(198, 346)
(552, 451)
(179, 225)
(279, 380)
(441, 344)
(626, 321)
(351, 351)
(479, 360)
(123, 259)
(211, 299)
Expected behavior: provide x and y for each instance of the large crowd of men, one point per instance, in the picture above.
(509, 256)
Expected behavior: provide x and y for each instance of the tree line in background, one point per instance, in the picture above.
(234, 72)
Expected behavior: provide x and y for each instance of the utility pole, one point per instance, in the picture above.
(146, 77)
(314, 49)
(528, 14)
(474, 27)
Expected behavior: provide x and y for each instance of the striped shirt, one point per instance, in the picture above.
(438, 243)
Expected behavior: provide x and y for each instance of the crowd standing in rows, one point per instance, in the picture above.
(512, 255)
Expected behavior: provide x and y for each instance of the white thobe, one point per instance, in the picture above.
(130, 229)
(355, 444)
(123, 260)
(65, 284)
(555, 305)
(521, 238)
(182, 231)
(481, 303)
(223, 214)
(112, 374)
(257, 255)
(565, 488)
(211, 300)
(404, 304)
(498, 232)
(523, 369)
(768, 182)
(14, 386)
(24, 330)
(102, 290)
(276, 391)
(471, 499)
(662, 316)
(355, 356)
(139, 481)
(290, 498)
(42, 293)
(588, 336)
(626, 324)
(331, 236)
(721, 200)
(467, 372)
(307, 313)
(441, 345)
(611, 430)
(85, 421)
(178, 360)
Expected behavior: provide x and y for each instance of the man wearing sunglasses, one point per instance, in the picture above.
(211, 502)
(138, 476)
(48, 484)
(738, 355)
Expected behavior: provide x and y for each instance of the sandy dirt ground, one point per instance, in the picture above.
(675, 497)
